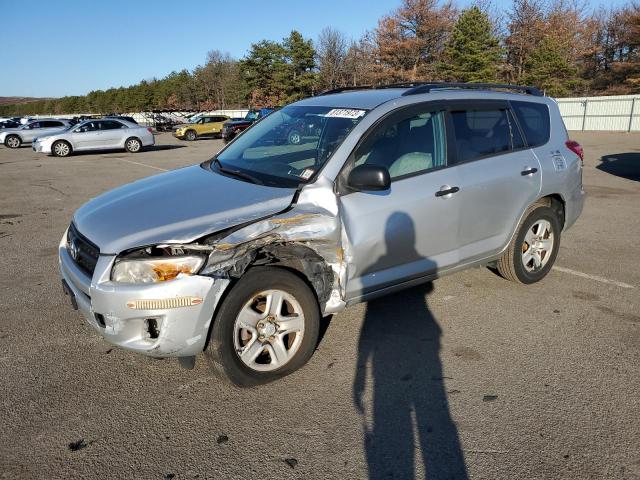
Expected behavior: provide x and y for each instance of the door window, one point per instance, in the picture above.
(407, 143)
(52, 124)
(482, 132)
(87, 127)
(110, 125)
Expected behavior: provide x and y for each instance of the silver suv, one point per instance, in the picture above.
(14, 137)
(241, 256)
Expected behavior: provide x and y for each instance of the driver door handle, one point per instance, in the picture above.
(528, 171)
(447, 191)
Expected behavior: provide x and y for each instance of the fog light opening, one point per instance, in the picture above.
(152, 328)
(100, 319)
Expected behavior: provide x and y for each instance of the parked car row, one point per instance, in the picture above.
(62, 137)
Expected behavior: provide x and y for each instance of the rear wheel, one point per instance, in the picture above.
(266, 328)
(191, 135)
(295, 137)
(12, 141)
(534, 248)
(133, 145)
(61, 149)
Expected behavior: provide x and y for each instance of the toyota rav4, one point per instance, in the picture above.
(240, 257)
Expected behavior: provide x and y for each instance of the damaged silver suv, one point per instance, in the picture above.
(385, 188)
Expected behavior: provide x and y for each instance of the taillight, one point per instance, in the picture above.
(151, 130)
(576, 148)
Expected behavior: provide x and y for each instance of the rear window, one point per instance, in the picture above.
(534, 120)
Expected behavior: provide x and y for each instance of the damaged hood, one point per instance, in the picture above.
(175, 207)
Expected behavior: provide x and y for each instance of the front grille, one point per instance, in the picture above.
(83, 252)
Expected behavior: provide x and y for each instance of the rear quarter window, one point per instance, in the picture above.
(534, 121)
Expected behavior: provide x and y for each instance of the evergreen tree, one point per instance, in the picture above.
(548, 69)
(473, 53)
(300, 56)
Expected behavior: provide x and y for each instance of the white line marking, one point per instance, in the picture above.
(593, 277)
(143, 165)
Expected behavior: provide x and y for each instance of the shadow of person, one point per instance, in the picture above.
(398, 353)
(625, 165)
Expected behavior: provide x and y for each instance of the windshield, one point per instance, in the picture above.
(287, 147)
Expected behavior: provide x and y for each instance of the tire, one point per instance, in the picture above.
(260, 343)
(190, 135)
(12, 141)
(133, 145)
(294, 137)
(61, 149)
(525, 261)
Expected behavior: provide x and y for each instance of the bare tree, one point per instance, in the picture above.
(332, 53)
(525, 31)
(216, 78)
(361, 66)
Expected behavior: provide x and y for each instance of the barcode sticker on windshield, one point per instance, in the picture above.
(306, 173)
(345, 113)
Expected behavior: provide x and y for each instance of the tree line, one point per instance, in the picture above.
(555, 45)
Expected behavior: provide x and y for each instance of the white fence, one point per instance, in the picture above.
(620, 113)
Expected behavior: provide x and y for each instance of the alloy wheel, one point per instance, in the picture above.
(268, 330)
(537, 246)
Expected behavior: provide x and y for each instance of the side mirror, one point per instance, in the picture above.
(369, 178)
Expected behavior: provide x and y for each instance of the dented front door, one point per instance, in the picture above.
(400, 234)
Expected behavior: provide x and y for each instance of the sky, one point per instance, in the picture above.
(70, 47)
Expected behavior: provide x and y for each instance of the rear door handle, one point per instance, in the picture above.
(446, 190)
(528, 171)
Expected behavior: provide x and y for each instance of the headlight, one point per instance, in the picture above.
(154, 270)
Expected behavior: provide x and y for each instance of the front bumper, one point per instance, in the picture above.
(41, 147)
(177, 135)
(176, 332)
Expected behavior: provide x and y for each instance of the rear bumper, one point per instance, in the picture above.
(161, 332)
(574, 206)
(149, 141)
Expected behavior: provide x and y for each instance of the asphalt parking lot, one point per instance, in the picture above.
(468, 377)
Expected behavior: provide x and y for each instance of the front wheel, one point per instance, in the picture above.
(133, 145)
(61, 149)
(191, 135)
(266, 328)
(12, 141)
(534, 248)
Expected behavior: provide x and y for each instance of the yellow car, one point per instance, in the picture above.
(205, 126)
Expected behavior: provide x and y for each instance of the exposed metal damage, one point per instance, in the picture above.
(307, 238)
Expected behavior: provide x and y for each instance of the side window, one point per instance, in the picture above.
(481, 132)
(51, 124)
(207, 120)
(87, 127)
(110, 125)
(534, 120)
(33, 125)
(406, 143)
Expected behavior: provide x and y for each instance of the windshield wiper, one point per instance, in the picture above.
(237, 173)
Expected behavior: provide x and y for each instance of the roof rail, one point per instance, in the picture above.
(372, 87)
(427, 87)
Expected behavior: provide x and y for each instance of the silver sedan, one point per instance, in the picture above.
(100, 134)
